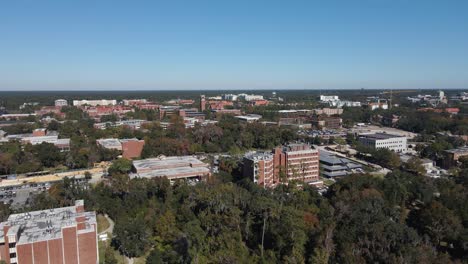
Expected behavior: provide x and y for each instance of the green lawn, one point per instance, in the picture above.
(102, 223)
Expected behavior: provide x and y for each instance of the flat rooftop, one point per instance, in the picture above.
(167, 163)
(110, 143)
(458, 150)
(256, 156)
(381, 136)
(46, 224)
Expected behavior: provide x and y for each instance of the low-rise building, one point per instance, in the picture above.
(130, 148)
(249, 118)
(332, 166)
(177, 167)
(132, 123)
(382, 140)
(59, 235)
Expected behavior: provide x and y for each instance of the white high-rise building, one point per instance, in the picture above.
(61, 102)
(94, 102)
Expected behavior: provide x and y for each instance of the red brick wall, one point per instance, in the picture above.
(24, 254)
(55, 251)
(132, 149)
(87, 248)
(5, 251)
(40, 252)
(70, 245)
(3, 255)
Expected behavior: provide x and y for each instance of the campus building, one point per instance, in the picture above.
(130, 147)
(61, 235)
(384, 140)
(326, 122)
(297, 162)
(94, 102)
(61, 102)
(453, 155)
(175, 167)
(332, 166)
(259, 166)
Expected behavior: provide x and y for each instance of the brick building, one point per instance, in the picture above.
(130, 147)
(452, 156)
(326, 122)
(297, 162)
(61, 235)
(259, 166)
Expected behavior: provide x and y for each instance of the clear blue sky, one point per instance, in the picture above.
(243, 44)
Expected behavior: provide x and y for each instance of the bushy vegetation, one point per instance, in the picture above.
(402, 218)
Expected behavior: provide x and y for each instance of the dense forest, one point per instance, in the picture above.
(402, 218)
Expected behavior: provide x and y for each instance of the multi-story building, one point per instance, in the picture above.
(61, 102)
(229, 97)
(328, 111)
(250, 97)
(329, 98)
(60, 235)
(326, 122)
(130, 102)
(132, 123)
(94, 102)
(453, 155)
(383, 140)
(298, 162)
(259, 166)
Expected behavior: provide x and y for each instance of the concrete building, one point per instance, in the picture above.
(94, 102)
(328, 111)
(329, 98)
(249, 118)
(250, 97)
(131, 102)
(229, 97)
(130, 148)
(61, 102)
(60, 235)
(383, 140)
(332, 166)
(61, 143)
(259, 166)
(132, 123)
(177, 167)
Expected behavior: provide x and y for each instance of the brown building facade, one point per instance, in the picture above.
(62, 235)
(293, 162)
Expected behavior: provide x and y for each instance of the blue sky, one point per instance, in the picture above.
(329, 44)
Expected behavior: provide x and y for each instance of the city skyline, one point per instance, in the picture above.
(53, 45)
